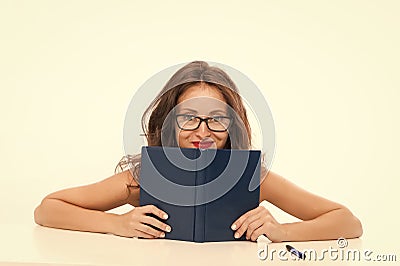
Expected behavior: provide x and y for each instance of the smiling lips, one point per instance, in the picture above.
(204, 144)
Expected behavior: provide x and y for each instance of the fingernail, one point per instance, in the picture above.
(236, 235)
(165, 216)
(162, 235)
(233, 226)
(168, 229)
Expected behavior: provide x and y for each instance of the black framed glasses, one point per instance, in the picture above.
(214, 123)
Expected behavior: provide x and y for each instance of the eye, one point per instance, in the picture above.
(188, 117)
(222, 120)
(217, 118)
(185, 117)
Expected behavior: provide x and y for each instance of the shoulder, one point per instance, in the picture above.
(132, 186)
(270, 184)
(122, 187)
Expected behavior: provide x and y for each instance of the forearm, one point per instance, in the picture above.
(331, 225)
(59, 214)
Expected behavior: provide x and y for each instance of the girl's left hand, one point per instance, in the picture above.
(256, 222)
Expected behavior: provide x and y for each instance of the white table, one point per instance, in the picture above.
(36, 245)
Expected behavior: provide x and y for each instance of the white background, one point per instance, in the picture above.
(329, 69)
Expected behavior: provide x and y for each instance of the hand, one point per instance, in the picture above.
(136, 223)
(257, 222)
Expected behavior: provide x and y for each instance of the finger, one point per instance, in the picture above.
(256, 233)
(151, 209)
(243, 228)
(236, 224)
(156, 223)
(258, 220)
(150, 231)
(143, 234)
(253, 226)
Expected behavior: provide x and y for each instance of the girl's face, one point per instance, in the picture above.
(204, 101)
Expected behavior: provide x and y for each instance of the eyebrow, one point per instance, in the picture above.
(216, 111)
(187, 109)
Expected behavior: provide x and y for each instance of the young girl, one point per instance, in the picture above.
(83, 208)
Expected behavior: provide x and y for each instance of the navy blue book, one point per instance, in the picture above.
(203, 191)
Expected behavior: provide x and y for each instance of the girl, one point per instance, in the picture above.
(81, 208)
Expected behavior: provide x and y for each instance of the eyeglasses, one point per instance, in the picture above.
(214, 123)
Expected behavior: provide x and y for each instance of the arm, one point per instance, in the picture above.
(82, 208)
(322, 219)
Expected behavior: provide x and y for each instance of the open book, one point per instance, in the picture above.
(202, 191)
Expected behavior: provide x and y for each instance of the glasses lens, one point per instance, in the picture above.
(219, 123)
(187, 122)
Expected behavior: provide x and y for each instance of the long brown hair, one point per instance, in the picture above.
(156, 115)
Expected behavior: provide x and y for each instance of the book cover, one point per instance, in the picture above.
(203, 191)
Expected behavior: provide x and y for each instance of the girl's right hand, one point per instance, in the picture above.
(136, 223)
